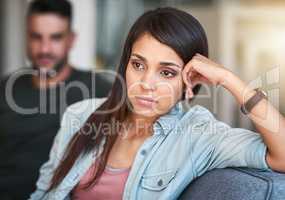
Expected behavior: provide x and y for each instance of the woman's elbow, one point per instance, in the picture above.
(276, 164)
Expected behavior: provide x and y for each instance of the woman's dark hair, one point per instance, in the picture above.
(62, 8)
(172, 27)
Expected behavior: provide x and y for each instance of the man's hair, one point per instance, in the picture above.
(62, 8)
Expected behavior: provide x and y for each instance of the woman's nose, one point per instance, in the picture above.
(148, 81)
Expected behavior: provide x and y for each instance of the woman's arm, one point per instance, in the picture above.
(269, 122)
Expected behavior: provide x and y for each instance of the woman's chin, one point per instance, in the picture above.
(145, 112)
(148, 112)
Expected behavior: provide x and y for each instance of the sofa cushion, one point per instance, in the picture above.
(236, 184)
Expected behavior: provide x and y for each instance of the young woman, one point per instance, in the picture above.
(140, 142)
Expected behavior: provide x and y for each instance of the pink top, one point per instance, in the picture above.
(110, 185)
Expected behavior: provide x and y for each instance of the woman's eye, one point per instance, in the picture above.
(168, 74)
(137, 65)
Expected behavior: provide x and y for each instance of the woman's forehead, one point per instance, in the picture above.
(152, 50)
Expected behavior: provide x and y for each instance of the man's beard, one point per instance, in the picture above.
(50, 72)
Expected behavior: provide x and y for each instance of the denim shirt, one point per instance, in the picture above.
(184, 145)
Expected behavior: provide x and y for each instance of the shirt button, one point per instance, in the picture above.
(160, 182)
(143, 152)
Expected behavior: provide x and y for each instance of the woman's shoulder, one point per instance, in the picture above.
(198, 113)
(75, 116)
(78, 113)
(86, 105)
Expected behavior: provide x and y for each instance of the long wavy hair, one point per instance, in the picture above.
(175, 28)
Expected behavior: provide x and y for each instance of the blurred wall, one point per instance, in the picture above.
(12, 35)
(1, 38)
(83, 54)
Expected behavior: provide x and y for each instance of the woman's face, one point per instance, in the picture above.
(153, 77)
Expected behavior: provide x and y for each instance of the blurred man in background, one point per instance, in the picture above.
(33, 99)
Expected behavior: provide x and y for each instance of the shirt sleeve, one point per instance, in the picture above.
(219, 146)
(239, 147)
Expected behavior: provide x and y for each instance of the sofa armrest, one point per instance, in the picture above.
(236, 184)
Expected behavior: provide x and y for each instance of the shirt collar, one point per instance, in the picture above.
(165, 123)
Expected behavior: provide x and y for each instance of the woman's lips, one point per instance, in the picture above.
(145, 101)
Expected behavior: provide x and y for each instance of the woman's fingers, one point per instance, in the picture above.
(199, 70)
(185, 75)
(191, 77)
(200, 79)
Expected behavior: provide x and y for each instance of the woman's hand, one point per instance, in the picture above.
(202, 70)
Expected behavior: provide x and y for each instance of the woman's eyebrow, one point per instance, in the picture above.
(161, 63)
(170, 64)
(140, 57)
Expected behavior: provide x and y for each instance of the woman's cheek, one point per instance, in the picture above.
(167, 97)
(129, 80)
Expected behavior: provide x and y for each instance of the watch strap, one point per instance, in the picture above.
(249, 104)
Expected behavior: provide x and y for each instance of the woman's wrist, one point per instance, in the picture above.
(237, 87)
(226, 76)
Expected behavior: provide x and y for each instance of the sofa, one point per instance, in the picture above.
(236, 184)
